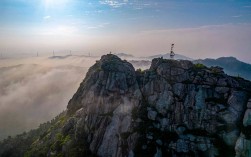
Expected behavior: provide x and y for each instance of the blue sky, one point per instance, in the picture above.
(125, 25)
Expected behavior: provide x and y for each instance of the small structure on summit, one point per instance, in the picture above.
(172, 54)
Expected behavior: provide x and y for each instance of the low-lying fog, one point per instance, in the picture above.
(35, 90)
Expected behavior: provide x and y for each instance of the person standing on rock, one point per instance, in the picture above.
(172, 54)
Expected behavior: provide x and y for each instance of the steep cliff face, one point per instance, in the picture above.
(103, 105)
(175, 108)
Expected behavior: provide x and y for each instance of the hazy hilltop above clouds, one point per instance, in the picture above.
(231, 65)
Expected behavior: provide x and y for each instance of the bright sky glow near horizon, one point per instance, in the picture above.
(199, 28)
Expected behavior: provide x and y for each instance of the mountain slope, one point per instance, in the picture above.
(231, 66)
(176, 108)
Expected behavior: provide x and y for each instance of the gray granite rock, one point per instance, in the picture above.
(152, 114)
(247, 118)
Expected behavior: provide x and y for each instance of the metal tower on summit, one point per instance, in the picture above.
(172, 54)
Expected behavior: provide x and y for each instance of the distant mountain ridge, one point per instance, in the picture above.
(231, 65)
(167, 56)
(125, 55)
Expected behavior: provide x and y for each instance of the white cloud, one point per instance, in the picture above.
(34, 90)
(47, 17)
(33, 94)
(135, 5)
(114, 3)
(237, 16)
(93, 12)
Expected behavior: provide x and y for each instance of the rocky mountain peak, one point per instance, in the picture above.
(107, 77)
(112, 63)
(185, 102)
(175, 108)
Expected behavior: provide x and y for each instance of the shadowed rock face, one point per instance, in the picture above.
(174, 109)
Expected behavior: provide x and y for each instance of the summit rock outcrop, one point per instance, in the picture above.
(103, 105)
(175, 108)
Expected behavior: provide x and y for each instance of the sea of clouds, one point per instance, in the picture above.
(35, 90)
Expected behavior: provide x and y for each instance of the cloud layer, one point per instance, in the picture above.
(35, 93)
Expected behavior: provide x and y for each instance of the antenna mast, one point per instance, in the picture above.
(172, 54)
